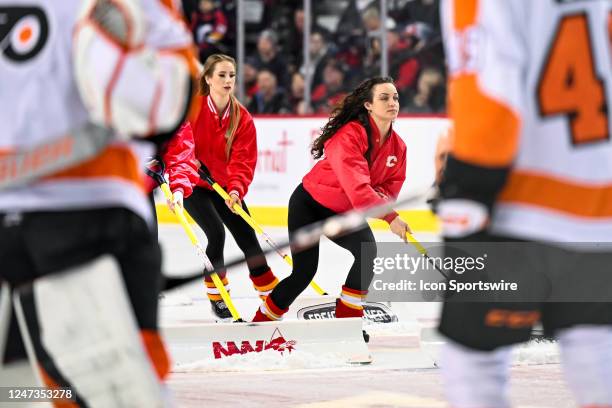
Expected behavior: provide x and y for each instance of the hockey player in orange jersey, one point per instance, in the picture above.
(84, 83)
(530, 97)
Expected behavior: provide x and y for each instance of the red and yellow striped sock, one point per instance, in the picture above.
(211, 290)
(264, 283)
(350, 303)
(270, 311)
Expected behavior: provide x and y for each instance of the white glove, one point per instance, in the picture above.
(461, 217)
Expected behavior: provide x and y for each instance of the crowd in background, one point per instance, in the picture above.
(345, 48)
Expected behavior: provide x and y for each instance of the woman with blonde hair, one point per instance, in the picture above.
(223, 139)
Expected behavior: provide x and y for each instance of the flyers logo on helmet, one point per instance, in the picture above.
(23, 32)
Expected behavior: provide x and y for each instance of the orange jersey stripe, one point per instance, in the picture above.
(169, 4)
(487, 135)
(465, 13)
(610, 27)
(114, 162)
(51, 384)
(157, 352)
(556, 194)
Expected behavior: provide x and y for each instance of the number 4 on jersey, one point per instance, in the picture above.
(569, 84)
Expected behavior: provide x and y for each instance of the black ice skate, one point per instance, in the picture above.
(220, 310)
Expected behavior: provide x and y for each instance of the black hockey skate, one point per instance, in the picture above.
(221, 311)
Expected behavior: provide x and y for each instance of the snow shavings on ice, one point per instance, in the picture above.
(536, 352)
(272, 360)
(175, 299)
(382, 329)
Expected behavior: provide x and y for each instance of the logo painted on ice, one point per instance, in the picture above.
(391, 161)
(277, 342)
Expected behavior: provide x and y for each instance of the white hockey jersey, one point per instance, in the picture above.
(531, 88)
(40, 102)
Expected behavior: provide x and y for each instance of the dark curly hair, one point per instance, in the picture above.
(351, 108)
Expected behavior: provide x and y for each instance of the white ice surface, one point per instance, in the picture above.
(396, 378)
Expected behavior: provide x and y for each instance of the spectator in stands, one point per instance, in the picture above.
(332, 90)
(424, 11)
(209, 26)
(403, 64)
(296, 98)
(269, 98)
(410, 49)
(350, 24)
(228, 8)
(430, 93)
(319, 55)
(371, 20)
(268, 57)
(423, 28)
(374, 25)
(295, 39)
(349, 37)
(249, 75)
(419, 35)
(404, 51)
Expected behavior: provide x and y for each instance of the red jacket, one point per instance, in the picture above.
(179, 158)
(343, 181)
(180, 152)
(205, 141)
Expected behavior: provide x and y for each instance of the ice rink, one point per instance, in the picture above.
(402, 373)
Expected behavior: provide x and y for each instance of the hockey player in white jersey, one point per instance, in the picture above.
(86, 86)
(530, 95)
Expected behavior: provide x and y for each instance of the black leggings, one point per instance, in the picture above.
(209, 210)
(303, 211)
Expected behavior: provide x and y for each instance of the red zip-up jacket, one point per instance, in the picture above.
(343, 181)
(205, 141)
(178, 155)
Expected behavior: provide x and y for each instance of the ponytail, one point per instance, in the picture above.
(230, 134)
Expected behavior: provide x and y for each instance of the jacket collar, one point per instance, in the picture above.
(213, 108)
(376, 133)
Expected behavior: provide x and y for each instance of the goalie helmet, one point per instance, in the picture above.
(126, 84)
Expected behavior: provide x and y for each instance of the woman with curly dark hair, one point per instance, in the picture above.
(363, 165)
